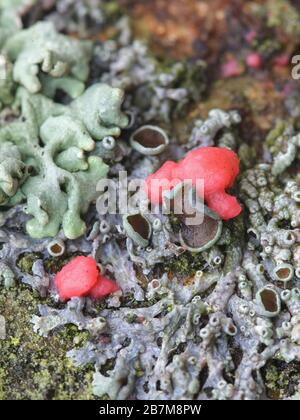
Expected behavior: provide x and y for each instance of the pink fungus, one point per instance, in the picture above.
(103, 288)
(80, 277)
(218, 167)
(231, 68)
(254, 60)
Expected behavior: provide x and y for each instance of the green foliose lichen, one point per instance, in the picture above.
(56, 59)
(9, 20)
(54, 143)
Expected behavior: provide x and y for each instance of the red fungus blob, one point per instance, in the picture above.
(231, 68)
(218, 167)
(81, 277)
(165, 173)
(103, 287)
(77, 278)
(254, 60)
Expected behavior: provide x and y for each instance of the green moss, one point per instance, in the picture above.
(34, 367)
(282, 14)
(112, 10)
(175, 222)
(247, 155)
(281, 378)
(2, 384)
(71, 333)
(275, 133)
(131, 318)
(105, 397)
(138, 369)
(26, 261)
(128, 301)
(268, 47)
(185, 265)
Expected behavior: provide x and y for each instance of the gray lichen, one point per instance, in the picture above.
(190, 322)
(177, 339)
(204, 132)
(158, 93)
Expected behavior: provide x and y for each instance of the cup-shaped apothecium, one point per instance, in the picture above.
(149, 140)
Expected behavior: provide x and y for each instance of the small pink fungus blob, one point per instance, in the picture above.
(80, 277)
(103, 288)
(231, 68)
(254, 60)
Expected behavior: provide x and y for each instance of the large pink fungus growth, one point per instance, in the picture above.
(218, 167)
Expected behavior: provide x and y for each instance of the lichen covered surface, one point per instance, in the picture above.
(34, 367)
(218, 319)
